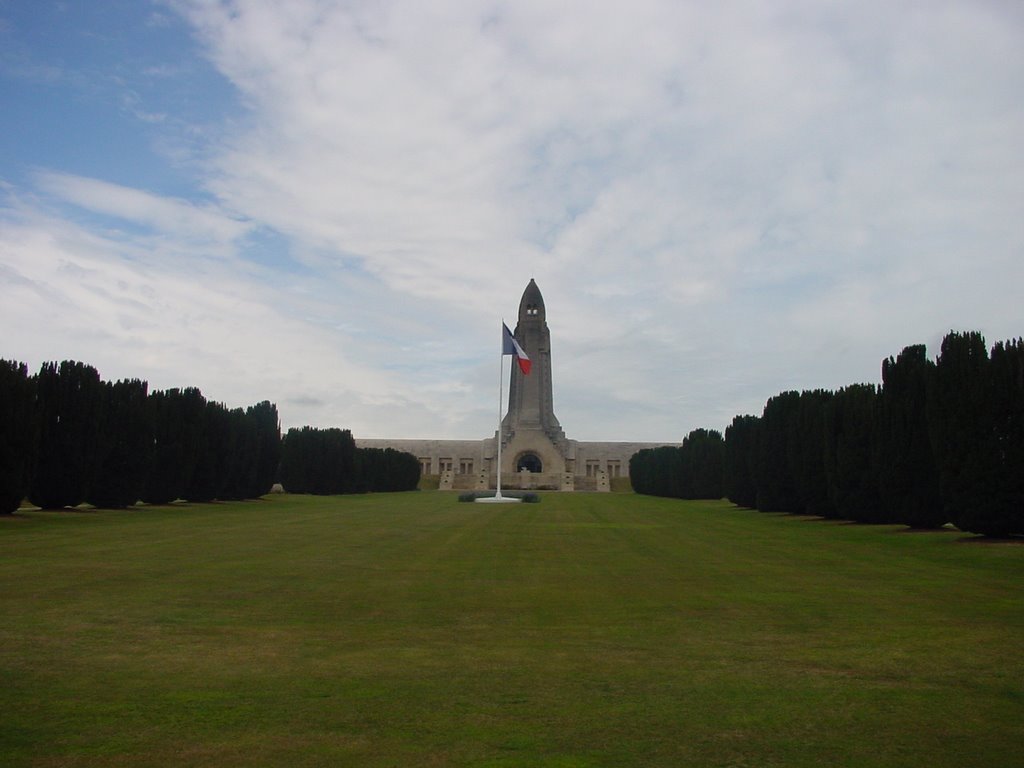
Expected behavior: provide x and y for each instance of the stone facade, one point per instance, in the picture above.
(470, 464)
(535, 453)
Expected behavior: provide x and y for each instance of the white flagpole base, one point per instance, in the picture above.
(498, 499)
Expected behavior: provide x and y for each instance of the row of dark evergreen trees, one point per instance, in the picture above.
(939, 441)
(68, 437)
(327, 461)
(694, 470)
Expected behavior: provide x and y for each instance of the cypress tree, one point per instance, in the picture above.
(685, 457)
(70, 404)
(807, 453)
(242, 455)
(370, 469)
(293, 470)
(342, 471)
(17, 434)
(958, 419)
(974, 417)
(124, 442)
(268, 439)
(739, 460)
(776, 486)
(1006, 387)
(386, 470)
(850, 454)
(403, 469)
(177, 419)
(319, 461)
(907, 475)
(211, 455)
(668, 474)
(702, 459)
(640, 471)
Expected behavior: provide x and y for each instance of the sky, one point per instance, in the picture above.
(332, 204)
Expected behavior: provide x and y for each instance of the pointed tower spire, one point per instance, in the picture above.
(531, 306)
(530, 403)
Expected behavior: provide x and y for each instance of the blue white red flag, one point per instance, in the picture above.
(510, 346)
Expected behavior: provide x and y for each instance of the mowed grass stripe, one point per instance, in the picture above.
(588, 630)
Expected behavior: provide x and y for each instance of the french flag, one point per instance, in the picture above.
(510, 346)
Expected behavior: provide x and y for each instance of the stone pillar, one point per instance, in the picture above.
(447, 480)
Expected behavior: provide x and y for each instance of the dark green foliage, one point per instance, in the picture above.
(958, 424)
(124, 442)
(640, 471)
(240, 462)
(1006, 388)
(776, 486)
(212, 454)
(740, 456)
(907, 476)
(267, 425)
(975, 422)
(691, 471)
(177, 417)
(806, 445)
(702, 460)
(937, 442)
(850, 454)
(640, 474)
(69, 411)
(237, 453)
(657, 471)
(387, 469)
(318, 461)
(72, 438)
(668, 471)
(326, 461)
(17, 434)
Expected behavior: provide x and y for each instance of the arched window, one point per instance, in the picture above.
(529, 462)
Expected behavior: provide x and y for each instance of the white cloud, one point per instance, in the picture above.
(181, 218)
(718, 201)
(177, 319)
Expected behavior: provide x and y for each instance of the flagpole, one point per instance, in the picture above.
(501, 396)
(506, 336)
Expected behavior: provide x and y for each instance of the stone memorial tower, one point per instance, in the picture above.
(532, 438)
(535, 453)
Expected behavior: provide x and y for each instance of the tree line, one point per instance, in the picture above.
(327, 461)
(67, 437)
(939, 441)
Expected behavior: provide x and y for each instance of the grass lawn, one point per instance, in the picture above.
(587, 630)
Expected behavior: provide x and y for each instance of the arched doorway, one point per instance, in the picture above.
(529, 462)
